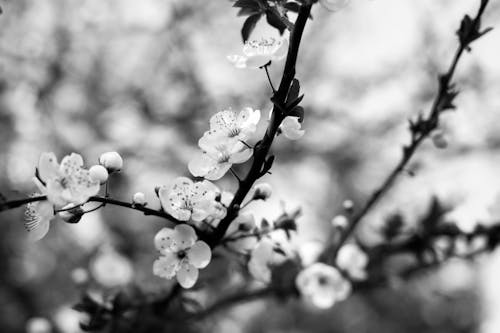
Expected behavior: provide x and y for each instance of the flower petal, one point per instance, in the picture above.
(166, 266)
(48, 168)
(282, 50)
(184, 236)
(258, 61)
(187, 275)
(70, 164)
(164, 239)
(237, 60)
(37, 219)
(201, 165)
(199, 254)
(222, 122)
(291, 128)
(173, 198)
(242, 156)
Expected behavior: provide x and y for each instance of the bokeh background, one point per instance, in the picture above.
(144, 77)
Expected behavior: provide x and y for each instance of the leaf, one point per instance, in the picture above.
(294, 91)
(249, 25)
(247, 11)
(292, 6)
(275, 21)
(247, 4)
(297, 111)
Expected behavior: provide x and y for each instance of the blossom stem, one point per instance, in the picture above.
(104, 200)
(235, 174)
(418, 135)
(262, 148)
(269, 78)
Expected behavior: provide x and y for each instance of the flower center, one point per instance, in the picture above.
(322, 281)
(181, 254)
(234, 132)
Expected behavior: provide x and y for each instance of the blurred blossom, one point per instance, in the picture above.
(111, 269)
(68, 320)
(262, 258)
(353, 260)
(182, 254)
(38, 325)
(322, 285)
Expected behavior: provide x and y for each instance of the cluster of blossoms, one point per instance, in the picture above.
(225, 143)
(67, 186)
(324, 285)
(195, 204)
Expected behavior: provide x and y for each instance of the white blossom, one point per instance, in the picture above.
(182, 255)
(111, 269)
(65, 183)
(353, 260)
(262, 258)
(228, 125)
(259, 53)
(217, 158)
(139, 199)
(186, 199)
(322, 285)
(291, 128)
(240, 233)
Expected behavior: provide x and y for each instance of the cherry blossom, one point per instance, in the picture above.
(111, 269)
(291, 128)
(37, 219)
(217, 158)
(262, 191)
(334, 5)
(353, 260)
(182, 254)
(322, 285)
(65, 183)
(232, 126)
(240, 234)
(185, 199)
(263, 257)
(260, 53)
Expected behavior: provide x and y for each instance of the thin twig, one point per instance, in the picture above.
(431, 123)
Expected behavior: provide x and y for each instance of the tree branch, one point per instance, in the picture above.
(262, 148)
(419, 132)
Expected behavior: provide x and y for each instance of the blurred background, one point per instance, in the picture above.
(143, 78)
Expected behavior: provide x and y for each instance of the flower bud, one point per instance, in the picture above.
(111, 161)
(139, 199)
(348, 205)
(439, 140)
(79, 276)
(73, 215)
(340, 222)
(98, 173)
(262, 191)
(38, 325)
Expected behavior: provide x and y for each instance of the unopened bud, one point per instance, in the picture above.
(38, 325)
(111, 161)
(79, 276)
(348, 205)
(139, 199)
(262, 191)
(340, 222)
(439, 140)
(99, 174)
(72, 215)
